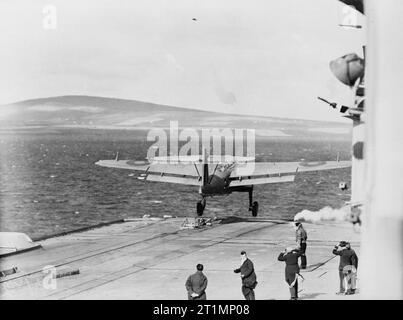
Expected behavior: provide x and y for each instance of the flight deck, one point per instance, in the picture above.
(151, 258)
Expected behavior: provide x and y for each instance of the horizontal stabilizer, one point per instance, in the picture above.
(199, 159)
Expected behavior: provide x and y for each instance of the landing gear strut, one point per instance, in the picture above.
(201, 204)
(253, 205)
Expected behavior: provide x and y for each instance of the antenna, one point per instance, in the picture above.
(332, 104)
(357, 26)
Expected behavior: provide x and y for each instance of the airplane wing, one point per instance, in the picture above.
(322, 165)
(276, 172)
(182, 173)
(250, 173)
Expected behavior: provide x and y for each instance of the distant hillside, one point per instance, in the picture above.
(110, 113)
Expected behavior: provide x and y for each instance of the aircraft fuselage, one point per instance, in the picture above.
(218, 183)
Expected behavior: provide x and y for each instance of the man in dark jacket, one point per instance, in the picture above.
(290, 256)
(248, 277)
(347, 266)
(196, 284)
(353, 276)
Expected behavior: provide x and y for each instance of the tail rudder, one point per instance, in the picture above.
(205, 167)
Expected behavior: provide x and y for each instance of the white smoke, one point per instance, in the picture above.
(324, 214)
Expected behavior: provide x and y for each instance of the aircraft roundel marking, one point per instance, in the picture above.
(312, 163)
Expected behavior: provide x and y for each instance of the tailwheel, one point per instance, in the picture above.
(254, 208)
(201, 204)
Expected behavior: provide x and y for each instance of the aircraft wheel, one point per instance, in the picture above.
(255, 208)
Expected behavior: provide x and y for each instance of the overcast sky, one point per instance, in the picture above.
(242, 56)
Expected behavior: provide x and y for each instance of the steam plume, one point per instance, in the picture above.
(324, 214)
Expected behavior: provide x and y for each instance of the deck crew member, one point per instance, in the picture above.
(347, 266)
(290, 256)
(248, 277)
(352, 285)
(196, 284)
(301, 236)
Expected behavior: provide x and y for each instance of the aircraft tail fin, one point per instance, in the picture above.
(205, 167)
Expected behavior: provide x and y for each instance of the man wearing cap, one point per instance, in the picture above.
(347, 265)
(300, 237)
(248, 277)
(196, 284)
(290, 256)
